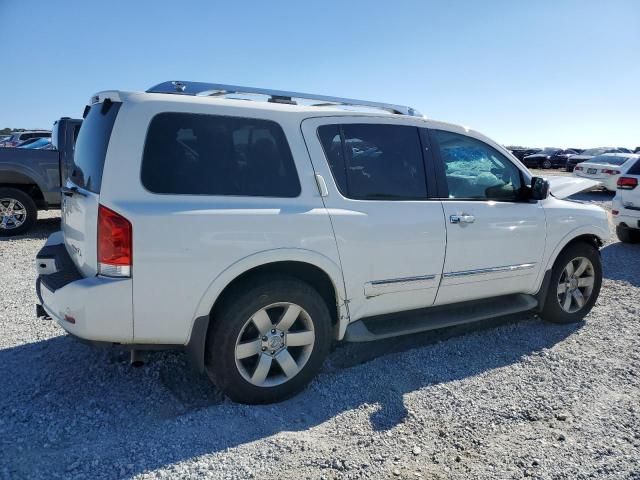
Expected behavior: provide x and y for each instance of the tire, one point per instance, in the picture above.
(546, 164)
(18, 212)
(627, 235)
(237, 322)
(554, 309)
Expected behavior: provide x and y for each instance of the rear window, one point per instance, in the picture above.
(196, 154)
(92, 143)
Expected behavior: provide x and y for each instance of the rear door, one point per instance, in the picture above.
(80, 209)
(390, 234)
(495, 241)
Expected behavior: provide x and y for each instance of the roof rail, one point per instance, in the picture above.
(276, 96)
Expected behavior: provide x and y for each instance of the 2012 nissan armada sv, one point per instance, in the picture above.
(256, 233)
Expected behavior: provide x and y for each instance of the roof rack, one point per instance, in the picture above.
(275, 96)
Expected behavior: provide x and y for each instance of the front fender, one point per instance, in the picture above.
(592, 230)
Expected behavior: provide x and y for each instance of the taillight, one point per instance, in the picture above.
(614, 212)
(611, 172)
(627, 183)
(578, 168)
(114, 244)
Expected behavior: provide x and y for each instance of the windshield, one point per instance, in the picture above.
(609, 159)
(39, 143)
(549, 150)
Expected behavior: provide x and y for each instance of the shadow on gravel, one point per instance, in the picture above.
(617, 265)
(70, 410)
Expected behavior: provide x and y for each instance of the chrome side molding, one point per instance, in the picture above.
(391, 285)
(483, 271)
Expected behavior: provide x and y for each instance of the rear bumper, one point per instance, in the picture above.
(96, 309)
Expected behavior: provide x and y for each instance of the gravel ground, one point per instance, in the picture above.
(508, 398)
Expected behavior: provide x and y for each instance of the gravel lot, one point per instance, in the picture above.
(509, 398)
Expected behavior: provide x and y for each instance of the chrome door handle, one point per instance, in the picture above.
(462, 218)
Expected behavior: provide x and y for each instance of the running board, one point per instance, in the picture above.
(414, 321)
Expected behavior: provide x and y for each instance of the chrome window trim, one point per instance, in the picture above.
(483, 271)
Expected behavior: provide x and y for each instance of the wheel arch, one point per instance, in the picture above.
(319, 271)
(24, 179)
(591, 234)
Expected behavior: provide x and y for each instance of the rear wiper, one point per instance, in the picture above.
(69, 191)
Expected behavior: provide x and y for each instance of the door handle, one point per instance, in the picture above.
(462, 218)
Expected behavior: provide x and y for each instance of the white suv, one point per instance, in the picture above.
(626, 205)
(254, 234)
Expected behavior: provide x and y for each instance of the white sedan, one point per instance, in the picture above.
(606, 168)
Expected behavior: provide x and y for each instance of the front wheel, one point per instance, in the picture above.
(268, 340)
(546, 164)
(576, 279)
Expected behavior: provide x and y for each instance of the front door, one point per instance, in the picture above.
(390, 236)
(495, 241)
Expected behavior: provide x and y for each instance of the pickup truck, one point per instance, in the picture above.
(30, 179)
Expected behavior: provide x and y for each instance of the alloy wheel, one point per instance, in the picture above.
(12, 213)
(575, 284)
(274, 344)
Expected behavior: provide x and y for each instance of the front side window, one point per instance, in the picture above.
(475, 170)
(197, 154)
(375, 161)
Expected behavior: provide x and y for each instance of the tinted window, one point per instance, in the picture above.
(216, 155)
(91, 146)
(475, 170)
(375, 162)
(635, 168)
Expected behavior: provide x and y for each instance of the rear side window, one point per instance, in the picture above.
(635, 168)
(196, 154)
(375, 161)
(91, 146)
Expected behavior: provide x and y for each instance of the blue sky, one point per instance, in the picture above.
(539, 73)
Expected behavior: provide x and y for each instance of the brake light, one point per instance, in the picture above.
(614, 212)
(114, 244)
(627, 183)
(578, 168)
(610, 172)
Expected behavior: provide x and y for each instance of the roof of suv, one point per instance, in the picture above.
(279, 101)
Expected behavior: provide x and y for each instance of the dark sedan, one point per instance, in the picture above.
(548, 158)
(588, 154)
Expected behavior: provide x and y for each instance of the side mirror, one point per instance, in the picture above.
(539, 188)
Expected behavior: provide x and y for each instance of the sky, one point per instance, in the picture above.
(535, 73)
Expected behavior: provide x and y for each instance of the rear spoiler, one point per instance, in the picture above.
(112, 95)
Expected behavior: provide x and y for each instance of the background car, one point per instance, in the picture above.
(625, 208)
(19, 137)
(521, 152)
(607, 168)
(587, 155)
(549, 157)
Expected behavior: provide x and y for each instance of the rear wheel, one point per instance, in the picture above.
(627, 235)
(575, 284)
(546, 163)
(269, 340)
(18, 212)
